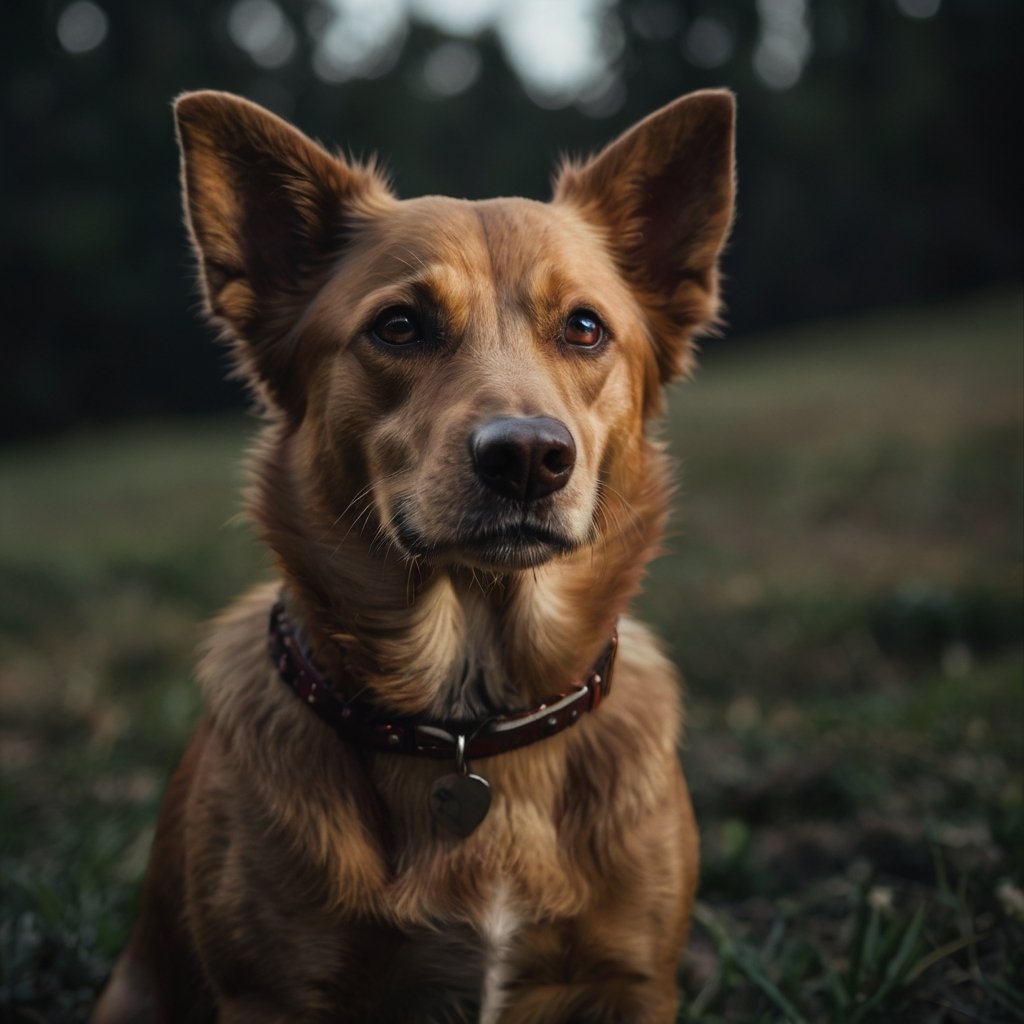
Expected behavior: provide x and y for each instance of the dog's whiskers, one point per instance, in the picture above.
(364, 494)
(636, 521)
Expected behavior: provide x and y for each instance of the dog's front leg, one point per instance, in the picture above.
(617, 962)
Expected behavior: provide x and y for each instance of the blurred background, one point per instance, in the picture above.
(843, 588)
(877, 160)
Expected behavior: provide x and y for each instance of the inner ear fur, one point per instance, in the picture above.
(267, 210)
(662, 194)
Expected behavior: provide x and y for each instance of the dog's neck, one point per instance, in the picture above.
(449, 641)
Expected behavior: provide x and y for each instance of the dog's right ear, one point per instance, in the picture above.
(266, 209)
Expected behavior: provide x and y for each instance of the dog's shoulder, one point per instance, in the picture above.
(236, 664)
(648, 689)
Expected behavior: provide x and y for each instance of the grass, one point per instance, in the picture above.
(843, 592)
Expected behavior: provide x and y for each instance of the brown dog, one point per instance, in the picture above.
(405, 803)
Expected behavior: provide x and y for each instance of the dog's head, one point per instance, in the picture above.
(469, 381)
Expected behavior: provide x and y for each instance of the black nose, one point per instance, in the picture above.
(523, 457)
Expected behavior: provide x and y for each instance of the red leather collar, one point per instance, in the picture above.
(358, 720)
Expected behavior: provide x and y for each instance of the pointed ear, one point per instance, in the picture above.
(662, 194)
(266, 209)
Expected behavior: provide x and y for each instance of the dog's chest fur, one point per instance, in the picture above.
(459, 973)
(563, 827)
(501, 924)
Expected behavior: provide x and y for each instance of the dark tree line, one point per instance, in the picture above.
(888, 172)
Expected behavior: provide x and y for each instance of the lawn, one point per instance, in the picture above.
(842, 589)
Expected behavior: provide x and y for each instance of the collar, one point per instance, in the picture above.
(359, 720)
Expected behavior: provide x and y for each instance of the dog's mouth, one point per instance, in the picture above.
(497, 546)
(519, 546)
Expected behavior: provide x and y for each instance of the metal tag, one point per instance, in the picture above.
(460, 802)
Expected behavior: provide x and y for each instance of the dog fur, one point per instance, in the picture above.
(293, 876)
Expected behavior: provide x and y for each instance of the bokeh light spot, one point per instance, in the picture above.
(919, 8)
(451, 68)
(359, 39)
(709, 43)
(459, 18)
(785, 43)
(259, 28)
(81, 27)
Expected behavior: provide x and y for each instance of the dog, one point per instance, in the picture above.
(438, 780)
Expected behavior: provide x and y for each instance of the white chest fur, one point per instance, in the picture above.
(498, 927)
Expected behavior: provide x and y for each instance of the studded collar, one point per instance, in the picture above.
(359, 720)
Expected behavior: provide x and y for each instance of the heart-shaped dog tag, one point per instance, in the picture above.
(460, 802)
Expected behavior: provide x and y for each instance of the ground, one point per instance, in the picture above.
(842, 589)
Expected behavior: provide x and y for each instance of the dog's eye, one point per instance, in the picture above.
(397, 326)
(583, 328)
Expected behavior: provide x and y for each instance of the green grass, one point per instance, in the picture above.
(843, 593)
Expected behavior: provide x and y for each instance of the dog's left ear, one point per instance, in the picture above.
(662, 194)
